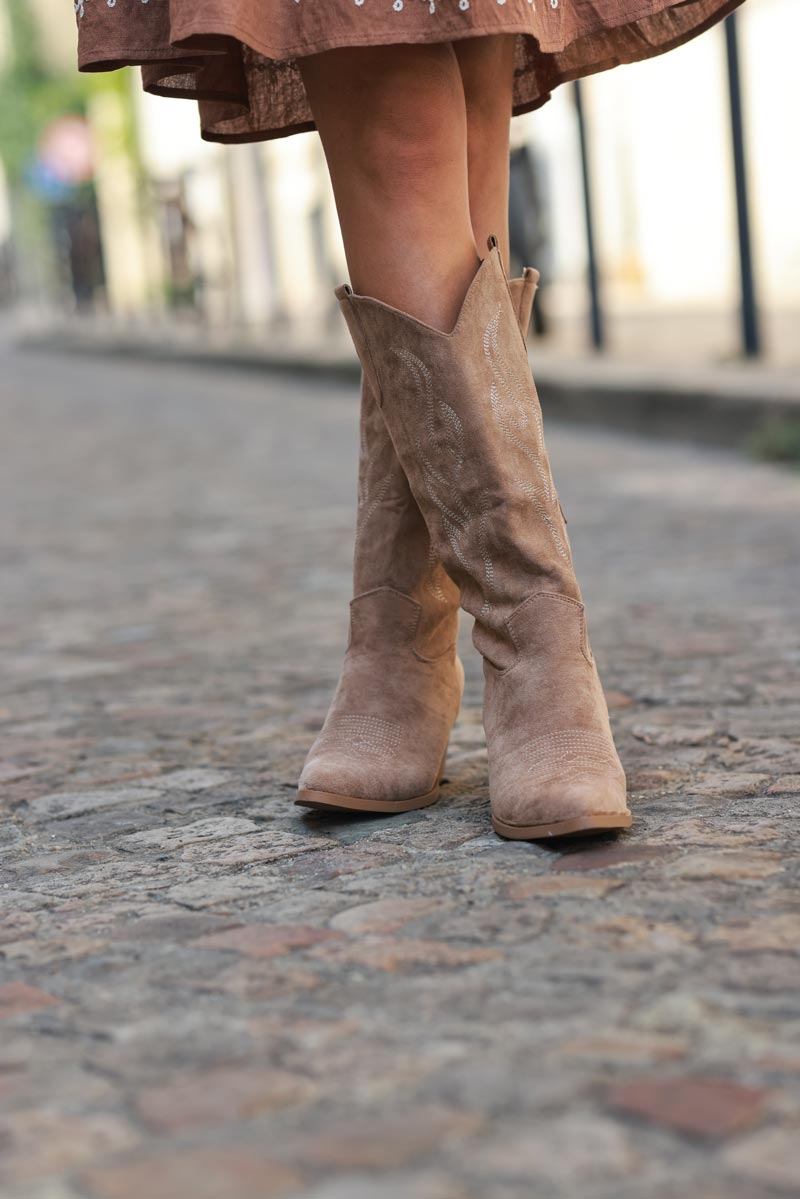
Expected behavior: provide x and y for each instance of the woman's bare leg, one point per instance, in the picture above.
(487, 75)
(393, 123)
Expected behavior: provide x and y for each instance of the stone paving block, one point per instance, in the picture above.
(43, 950)
(771, 1156)
(39, 1141)
(572, 1151)
(20, 998)
(221, 892)
(779, 933)
(394, 1186)
(220, 1096)
(407, 1139)
(202, 1173)
(384, 915)
(266, 940)
(169, 839)
(393, 954)
(63, 806)
(741, 866)
(258, 847)
(624, 1047)
(602, 856)
(50, 1188)
(697, 1107)
(192, 780)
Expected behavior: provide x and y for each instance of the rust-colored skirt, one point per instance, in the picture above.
(238, 58)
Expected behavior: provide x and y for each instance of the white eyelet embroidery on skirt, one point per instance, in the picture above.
(79, 6)
(399, 5)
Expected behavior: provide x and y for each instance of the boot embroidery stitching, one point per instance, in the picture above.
(368, 736)
(568, 754)
(456, 516)
(431, 578)
(530, 491)
(515, 394)
(383, 591)
(513, 412)
(369, 501)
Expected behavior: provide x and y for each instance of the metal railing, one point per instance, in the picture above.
(748, 299)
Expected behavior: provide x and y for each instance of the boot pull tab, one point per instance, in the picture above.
(492, 243)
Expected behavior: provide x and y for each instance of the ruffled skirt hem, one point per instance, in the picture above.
(238, 58)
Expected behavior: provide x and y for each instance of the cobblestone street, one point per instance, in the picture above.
(205, 994)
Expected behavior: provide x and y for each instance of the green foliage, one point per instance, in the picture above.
(31, 96)
(778, 440)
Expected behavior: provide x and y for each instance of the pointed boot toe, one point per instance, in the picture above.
(389, 778)
(561, 809)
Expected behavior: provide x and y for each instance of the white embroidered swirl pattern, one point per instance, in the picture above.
(79, 6)
(371, 492)
(431, 5)
(398, 6)
(444, 436)
(516, 413)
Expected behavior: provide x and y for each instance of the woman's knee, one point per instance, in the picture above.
(412, 117)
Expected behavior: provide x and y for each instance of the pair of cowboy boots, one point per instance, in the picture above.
(457, 505)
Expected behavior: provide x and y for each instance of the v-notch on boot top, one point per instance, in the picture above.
(383, 744)
(464, 417)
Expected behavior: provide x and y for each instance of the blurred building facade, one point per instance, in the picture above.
(246, 236)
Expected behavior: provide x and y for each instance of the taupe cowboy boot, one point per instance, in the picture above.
(464, 417)
(383, 744)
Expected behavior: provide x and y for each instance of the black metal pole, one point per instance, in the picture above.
(596, 314)
(751, 337)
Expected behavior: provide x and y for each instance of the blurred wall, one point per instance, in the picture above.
(660, 138)
(247, 235)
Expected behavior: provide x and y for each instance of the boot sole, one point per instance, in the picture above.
(355, 803)
(562, 828)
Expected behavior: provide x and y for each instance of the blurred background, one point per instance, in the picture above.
(112, 208)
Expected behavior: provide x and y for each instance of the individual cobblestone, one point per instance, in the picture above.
(204, 993)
